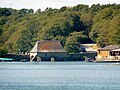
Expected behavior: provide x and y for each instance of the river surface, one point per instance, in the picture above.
(59, 76)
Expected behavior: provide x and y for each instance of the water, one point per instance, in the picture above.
(59, 76)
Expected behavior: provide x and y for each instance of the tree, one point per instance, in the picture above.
(48, 9)
(1, 30)
(74, 18)
(25, 42)
(3, 51)
(101, 23)
(38, 11)
(62, 9)
(81, 38)
(95, 8)
(5, 12)
(72, 45)
(114, 34)
(87, 21)
(62, 39)
(73, 42)
(23, 11)
(105, 30)
(57, 26)
(81, 8)
(30, 11)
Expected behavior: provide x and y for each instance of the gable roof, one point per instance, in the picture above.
(116, 49)
(48, 46)
(110, 47)
(90, 47)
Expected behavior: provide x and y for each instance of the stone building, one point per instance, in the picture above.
(48, 51)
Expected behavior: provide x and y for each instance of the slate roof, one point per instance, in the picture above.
(48, 46)
(116, 49)
(110, 47)
(90, 47)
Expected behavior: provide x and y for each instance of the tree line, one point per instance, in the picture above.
(72, 26)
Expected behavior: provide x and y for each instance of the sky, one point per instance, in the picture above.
(43, 4)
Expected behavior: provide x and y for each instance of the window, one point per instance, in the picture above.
(46, 54)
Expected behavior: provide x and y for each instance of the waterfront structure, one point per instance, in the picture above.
(108, 53)
(90, 52)
(48, 51)
(90, 47)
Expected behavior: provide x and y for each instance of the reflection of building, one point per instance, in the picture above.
(47, 51)
(109, 53)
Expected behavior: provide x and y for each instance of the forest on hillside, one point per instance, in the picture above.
(72, 26)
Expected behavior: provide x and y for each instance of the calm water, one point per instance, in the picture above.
(59, 76)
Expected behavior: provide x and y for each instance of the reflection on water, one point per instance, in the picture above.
(59, 76)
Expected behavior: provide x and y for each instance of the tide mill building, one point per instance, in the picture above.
(48, 51)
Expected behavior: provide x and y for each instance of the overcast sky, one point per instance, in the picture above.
(42, 4)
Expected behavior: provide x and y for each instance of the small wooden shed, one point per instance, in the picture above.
(108, 53)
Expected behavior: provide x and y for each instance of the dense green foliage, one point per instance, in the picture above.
(72, 26)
